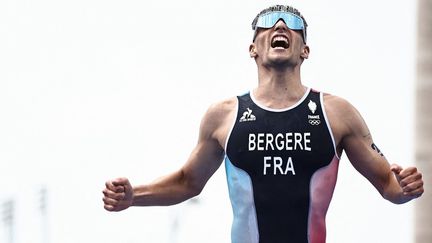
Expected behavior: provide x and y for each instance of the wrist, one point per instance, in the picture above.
(138, 195)
(397, 197)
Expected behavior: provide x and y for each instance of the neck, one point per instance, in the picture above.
(279, 88)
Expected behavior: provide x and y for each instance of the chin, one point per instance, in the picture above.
(281, 61)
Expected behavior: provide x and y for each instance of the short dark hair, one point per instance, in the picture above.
(284, 8)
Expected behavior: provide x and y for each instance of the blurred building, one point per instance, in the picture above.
(424, 119)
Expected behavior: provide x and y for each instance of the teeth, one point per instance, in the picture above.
(280, 42)
(280, 38)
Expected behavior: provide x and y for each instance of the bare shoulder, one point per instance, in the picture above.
(218, 119)
(343, 117)
(336, 103)
(341, 108)
(219, 111)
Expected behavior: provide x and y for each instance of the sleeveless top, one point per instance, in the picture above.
(281, 167)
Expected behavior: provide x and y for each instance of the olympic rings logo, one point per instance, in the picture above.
(314, 122)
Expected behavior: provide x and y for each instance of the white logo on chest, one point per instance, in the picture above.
(313, 119)
(247, 116)
(312, 106)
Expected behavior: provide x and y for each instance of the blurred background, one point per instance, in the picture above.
(93, 90)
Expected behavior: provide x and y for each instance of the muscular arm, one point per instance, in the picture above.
(184, 183)
(394, 183)
(189, 180)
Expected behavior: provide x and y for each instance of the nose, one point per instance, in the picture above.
(280, 25)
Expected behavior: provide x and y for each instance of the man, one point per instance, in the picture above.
(281, 142)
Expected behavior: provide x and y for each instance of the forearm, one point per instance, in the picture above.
(169, 190)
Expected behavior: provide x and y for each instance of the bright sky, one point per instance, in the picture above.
(92, 90)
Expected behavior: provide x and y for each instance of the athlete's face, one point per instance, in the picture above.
(279, 45)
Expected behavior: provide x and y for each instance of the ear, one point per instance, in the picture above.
(252, 51)
(305, 52)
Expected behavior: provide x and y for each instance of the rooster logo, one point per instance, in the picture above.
(247, 116)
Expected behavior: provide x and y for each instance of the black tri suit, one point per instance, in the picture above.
(281, 167)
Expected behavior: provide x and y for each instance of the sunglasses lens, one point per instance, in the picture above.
(268, 20)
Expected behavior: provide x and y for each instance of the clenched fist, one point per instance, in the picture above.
(118, 195)
(410, 180)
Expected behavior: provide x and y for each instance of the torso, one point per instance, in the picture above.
(281, 169)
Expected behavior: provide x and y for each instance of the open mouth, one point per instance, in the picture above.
(280, 42)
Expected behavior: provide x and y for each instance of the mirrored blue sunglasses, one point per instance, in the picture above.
(268, 20)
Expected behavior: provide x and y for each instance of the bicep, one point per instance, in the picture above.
(203, 162)
(208, 154)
